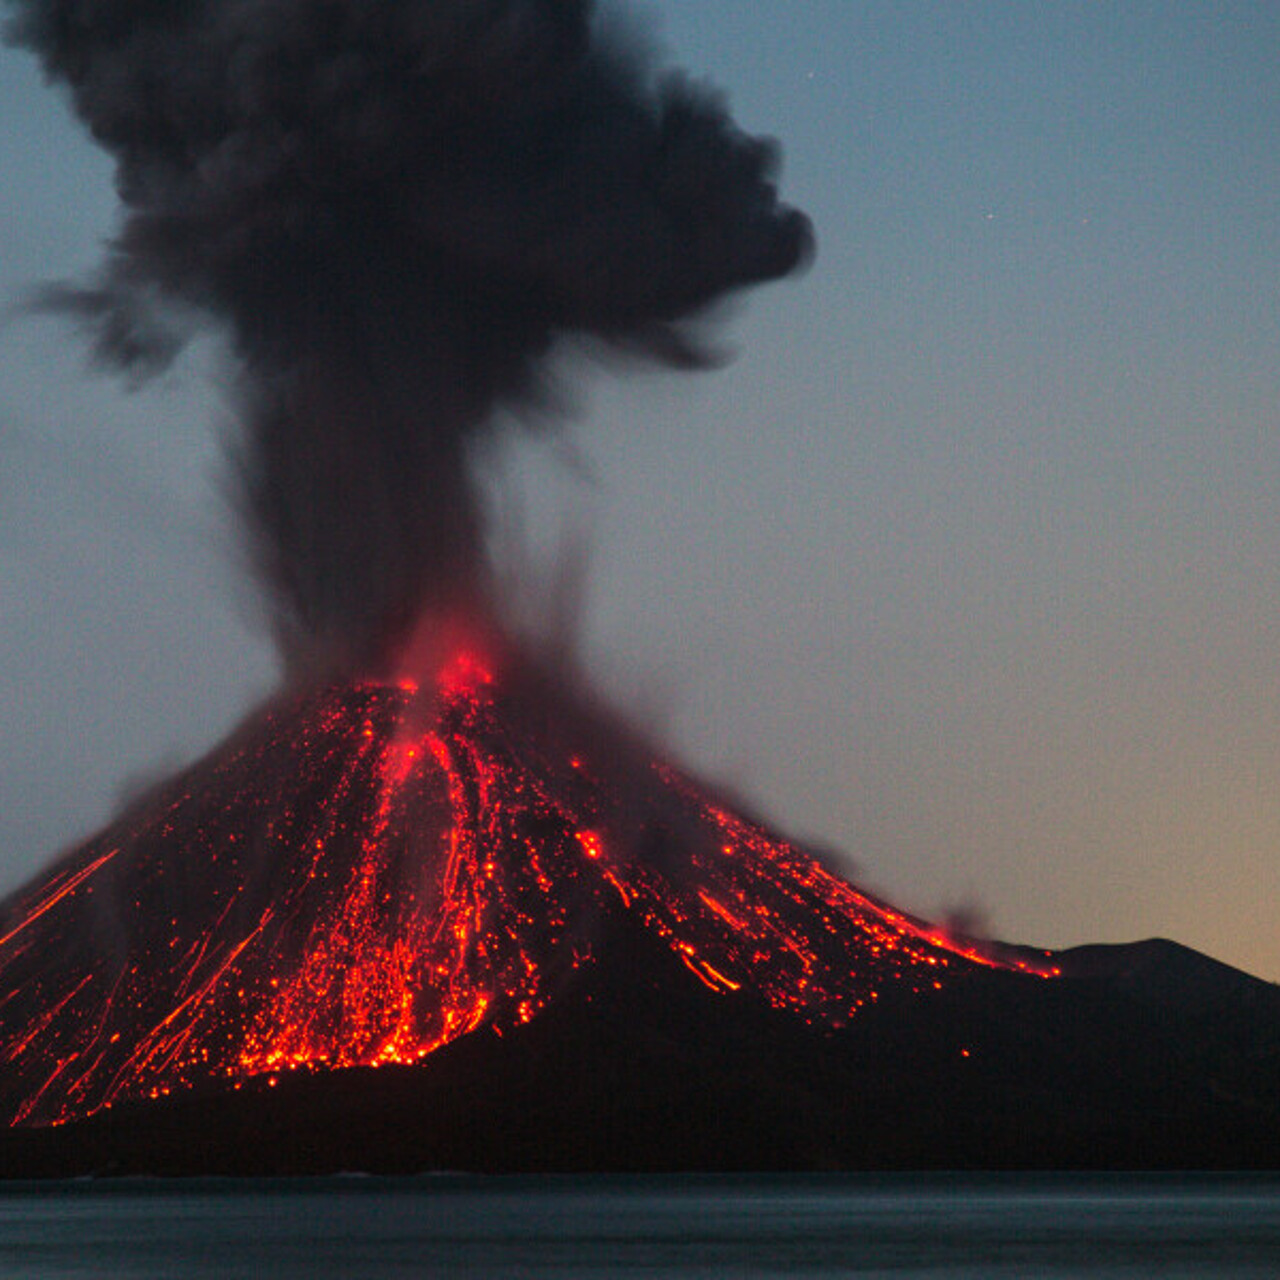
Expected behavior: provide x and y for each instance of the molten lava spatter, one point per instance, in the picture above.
(365, 875)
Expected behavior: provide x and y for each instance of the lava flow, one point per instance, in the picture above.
(367, 873)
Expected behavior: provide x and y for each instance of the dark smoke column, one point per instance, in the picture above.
(396, 208)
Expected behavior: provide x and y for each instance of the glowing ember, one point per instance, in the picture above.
(361, 878)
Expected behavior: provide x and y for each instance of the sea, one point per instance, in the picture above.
(901, 1226)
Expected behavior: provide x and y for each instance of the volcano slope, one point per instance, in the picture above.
(476, 925)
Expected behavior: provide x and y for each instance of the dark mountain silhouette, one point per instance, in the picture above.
(477, 926)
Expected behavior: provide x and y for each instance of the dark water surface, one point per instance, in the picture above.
(900, 1226)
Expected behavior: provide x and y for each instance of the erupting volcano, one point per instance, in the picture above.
(370, 872)
(431, 905)
(476, 922)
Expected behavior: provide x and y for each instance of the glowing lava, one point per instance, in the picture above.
(365, 875)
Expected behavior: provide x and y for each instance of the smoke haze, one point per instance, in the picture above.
(396, 211)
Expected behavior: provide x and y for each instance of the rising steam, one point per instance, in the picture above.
(395, 209)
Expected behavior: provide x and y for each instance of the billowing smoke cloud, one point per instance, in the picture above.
(396, 208)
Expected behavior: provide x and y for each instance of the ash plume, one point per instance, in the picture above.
(396, 209)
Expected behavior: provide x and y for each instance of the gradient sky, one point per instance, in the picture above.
(967, 568)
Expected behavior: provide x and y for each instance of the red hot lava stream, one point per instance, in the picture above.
(368, 873)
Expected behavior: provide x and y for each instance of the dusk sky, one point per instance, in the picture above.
(967, 567)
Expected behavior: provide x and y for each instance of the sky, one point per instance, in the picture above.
(966, 569)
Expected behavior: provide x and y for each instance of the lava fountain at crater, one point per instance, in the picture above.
(370, 871)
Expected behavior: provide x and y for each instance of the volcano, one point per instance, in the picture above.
(365, 874)
(475, 922)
